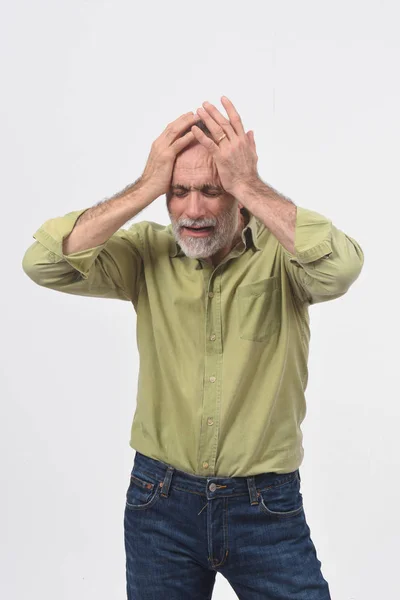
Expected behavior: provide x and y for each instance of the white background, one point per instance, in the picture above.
(86, 88)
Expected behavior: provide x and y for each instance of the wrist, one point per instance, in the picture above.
(147, 192)
(247, 187)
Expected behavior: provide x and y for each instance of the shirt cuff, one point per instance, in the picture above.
(52, 233)
(312, 236)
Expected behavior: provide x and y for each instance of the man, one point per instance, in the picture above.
(221, 296)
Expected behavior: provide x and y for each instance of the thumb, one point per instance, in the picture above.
(250, 135)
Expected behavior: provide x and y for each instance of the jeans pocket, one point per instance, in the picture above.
(282, 501)
(143, 491)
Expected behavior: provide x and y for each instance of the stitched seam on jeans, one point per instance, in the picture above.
(142, 482)
(289, 513)
(270, 487)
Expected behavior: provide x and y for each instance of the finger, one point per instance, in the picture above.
(175, 128)
(250, 135)
(254, 141)
(233, 115)
(204, 139)
(182, 142)
(183, 118)
(216, 123)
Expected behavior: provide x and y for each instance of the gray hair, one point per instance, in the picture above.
(201, 125)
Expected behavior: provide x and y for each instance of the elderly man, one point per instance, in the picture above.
(221, 296)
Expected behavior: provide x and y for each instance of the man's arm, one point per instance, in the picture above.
(321, 261)
(277, 212)
(83, 252)
(96, 225)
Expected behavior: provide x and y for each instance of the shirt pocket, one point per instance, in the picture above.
(259, 308)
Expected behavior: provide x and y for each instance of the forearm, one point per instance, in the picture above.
(97, 224)
(277, 212)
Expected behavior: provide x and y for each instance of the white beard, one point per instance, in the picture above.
(205, 247)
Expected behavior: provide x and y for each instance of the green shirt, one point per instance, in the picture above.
(223, 350)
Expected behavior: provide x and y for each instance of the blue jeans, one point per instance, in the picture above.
(181, 530)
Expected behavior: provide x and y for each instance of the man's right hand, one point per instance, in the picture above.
(160, 163)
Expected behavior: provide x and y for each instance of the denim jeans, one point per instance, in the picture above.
(180, 530)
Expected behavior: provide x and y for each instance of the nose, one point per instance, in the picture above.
(195, 206)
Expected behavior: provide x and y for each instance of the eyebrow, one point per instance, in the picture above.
(208, 186)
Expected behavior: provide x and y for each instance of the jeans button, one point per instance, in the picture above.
(212, 487)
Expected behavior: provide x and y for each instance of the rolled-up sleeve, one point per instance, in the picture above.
(110, 270)
(326, 261)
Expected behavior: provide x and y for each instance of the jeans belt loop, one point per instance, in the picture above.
(251, 484)
(167, 482)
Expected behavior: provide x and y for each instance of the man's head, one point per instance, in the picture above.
(196, 198)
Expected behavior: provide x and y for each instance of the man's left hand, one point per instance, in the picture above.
(235, 156)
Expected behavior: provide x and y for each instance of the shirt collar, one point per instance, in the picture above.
(249, 236)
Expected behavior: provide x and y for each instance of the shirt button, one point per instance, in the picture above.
(210, 421)
(213, 337)
(212, 487)
(211, 294)
(205, 465)
(213, 379)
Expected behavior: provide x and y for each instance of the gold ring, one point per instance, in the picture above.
(221, 138)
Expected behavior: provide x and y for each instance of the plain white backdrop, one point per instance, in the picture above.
(86, 88)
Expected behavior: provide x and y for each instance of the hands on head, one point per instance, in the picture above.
(235, 155)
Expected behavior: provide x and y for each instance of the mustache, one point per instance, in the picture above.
(198, 223)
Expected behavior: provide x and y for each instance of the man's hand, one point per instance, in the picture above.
(158, 170)
(235, 156)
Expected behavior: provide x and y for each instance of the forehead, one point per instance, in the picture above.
(195, 166)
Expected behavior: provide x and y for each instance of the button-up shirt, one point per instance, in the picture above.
(223, 349)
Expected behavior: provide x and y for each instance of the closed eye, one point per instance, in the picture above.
(210, 194)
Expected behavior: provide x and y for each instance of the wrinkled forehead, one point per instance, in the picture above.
(195, 166)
